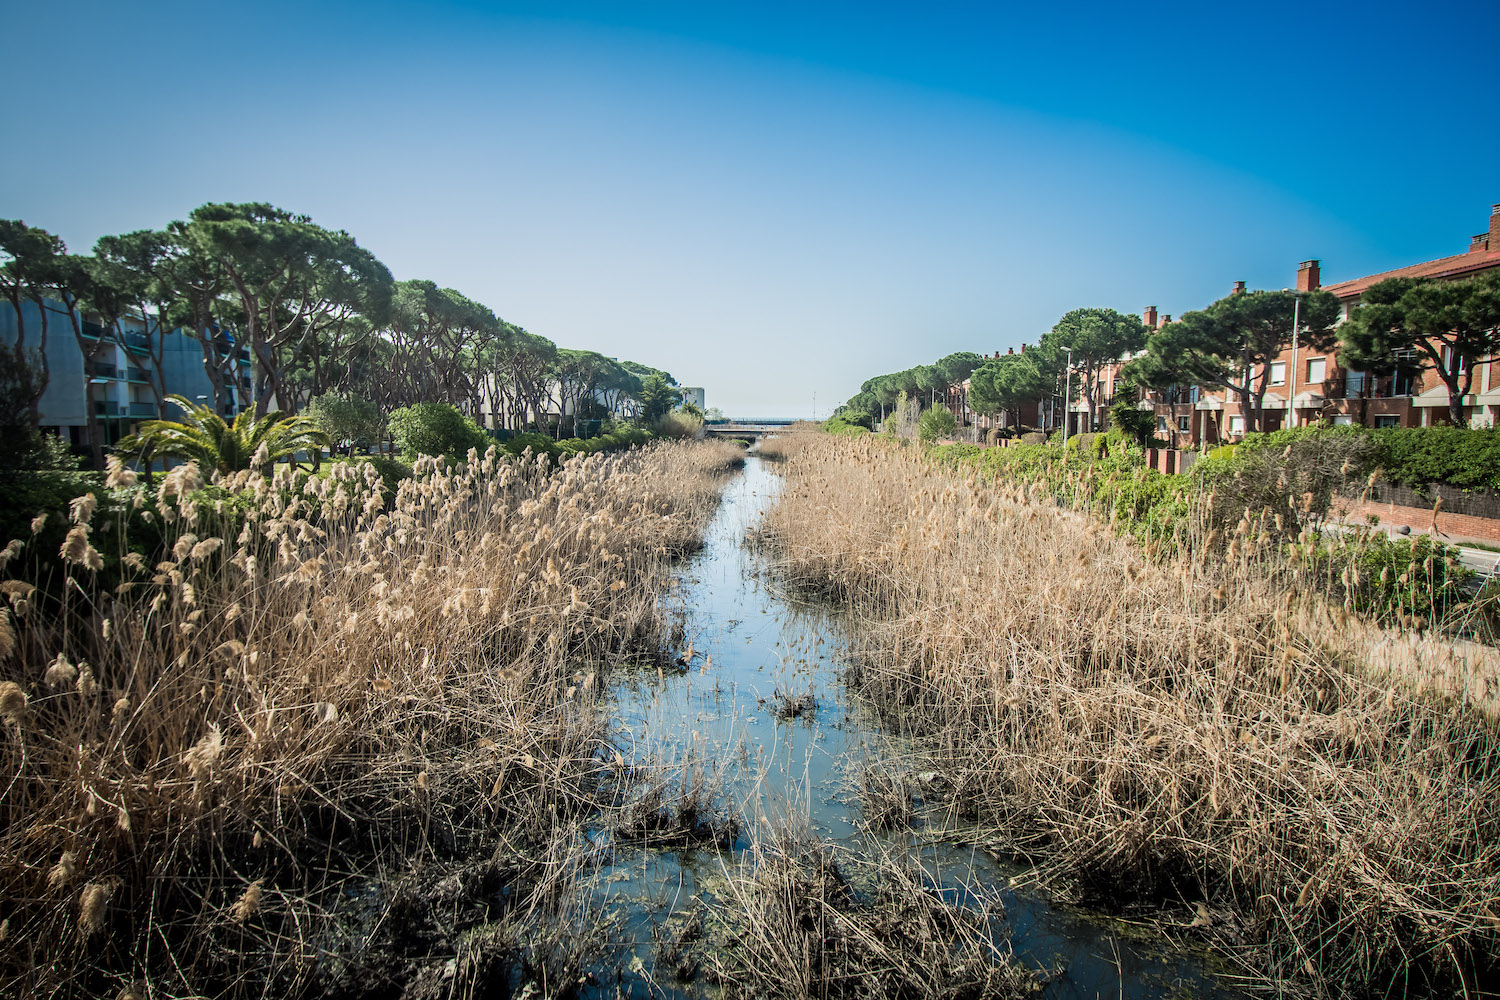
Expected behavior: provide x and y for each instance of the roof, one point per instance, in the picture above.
(1444, 267)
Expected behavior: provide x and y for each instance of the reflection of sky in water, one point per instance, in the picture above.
(718, 715)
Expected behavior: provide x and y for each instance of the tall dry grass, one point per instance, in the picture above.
(1178, 731)
(321, 733)
(804, 922)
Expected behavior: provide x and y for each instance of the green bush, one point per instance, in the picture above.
(1401, 581)
(841, 423)
(435, 429)
(936, 422)
(540, 444)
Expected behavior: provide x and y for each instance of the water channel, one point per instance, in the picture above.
(713, 721)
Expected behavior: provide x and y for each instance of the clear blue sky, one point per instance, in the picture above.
(773, 200)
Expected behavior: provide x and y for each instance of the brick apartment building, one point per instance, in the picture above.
(1322, 391)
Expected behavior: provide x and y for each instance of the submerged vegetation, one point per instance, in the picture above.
(1184, 727)
(288, 734)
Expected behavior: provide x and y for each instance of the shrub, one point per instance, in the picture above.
(540, 444)
(678, 424)
(435, 429)
(936, 423)
(1402, 581)
(349, 423)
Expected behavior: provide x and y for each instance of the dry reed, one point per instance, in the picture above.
(794, 921)
(1176, 730)
(248, 763)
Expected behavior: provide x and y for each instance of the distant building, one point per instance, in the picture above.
(693, 394)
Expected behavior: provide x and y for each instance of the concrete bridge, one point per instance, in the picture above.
(746, 430)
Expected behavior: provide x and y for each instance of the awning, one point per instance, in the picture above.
(1307, 400)
(1490, 398)
(1273, 401)
(1209, 403)
(1146, 405)
(1438, 396)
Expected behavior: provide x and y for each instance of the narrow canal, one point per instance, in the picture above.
(754, 724)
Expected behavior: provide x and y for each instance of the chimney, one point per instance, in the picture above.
(1308, 276)
(1150, 317)
(1479, 243)
(1493, 243)
(1239, 288)
(1168, 318)
(1008, 350)
(1023, 348)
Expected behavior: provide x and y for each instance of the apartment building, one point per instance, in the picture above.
(130, 371)
(1319, 390)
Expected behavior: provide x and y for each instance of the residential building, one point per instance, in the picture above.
(1320, 390)
(131, 371)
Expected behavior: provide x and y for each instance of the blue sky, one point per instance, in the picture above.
(774, 200)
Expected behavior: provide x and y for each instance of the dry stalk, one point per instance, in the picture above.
(1182, 730)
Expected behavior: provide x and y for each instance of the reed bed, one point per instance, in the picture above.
(794, 921)
(289, 735)
(1187, 733)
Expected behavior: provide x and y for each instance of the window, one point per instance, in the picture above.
(1316, 368)
(1342, 420)
(1193, 394)
(1388, 420)
(1161, 425)
(1278, 373)
(1184, 424)
(1354, 384)
(1237, 425)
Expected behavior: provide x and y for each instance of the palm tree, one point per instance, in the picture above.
(215, 444)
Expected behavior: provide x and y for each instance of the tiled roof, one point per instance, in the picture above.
(1444, 267)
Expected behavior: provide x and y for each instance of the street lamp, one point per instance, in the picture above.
(1067, 396)
(1291, 381)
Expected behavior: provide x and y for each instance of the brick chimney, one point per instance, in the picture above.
(1168, 317)
(1239, 288)
(1494, 241)
(1023, 348)
(1008, 350)
(1309, 276)
(1150, 317)
(1479, 243)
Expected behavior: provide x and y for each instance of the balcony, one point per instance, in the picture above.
(99, 369)
(106, 408)
(136, 375)
(1354, 385)
(142, 409)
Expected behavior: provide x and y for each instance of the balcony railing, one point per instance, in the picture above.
(98, 369)
(1355, 386)
(143, 409)
(105, 408)
(136, 375)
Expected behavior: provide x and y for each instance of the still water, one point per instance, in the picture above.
(745, 647)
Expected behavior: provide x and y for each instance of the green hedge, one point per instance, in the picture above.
(1465, 457)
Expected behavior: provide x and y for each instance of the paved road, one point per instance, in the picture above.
(1481, 561)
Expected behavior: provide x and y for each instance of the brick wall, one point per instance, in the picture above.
(1456, 527)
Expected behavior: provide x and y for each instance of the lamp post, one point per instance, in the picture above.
(1291, 381)
(1067, 395)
